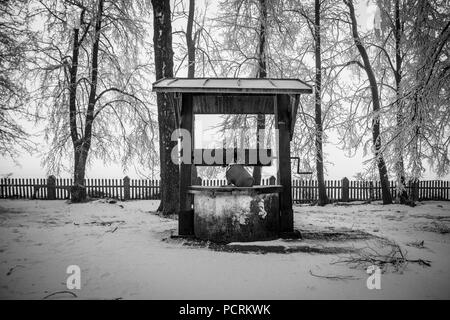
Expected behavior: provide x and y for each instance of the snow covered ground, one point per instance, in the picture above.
(125, 251)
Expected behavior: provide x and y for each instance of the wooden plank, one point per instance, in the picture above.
(25, 191)
(14, 184)
(59, 189)
(329, 189)
(315, 188)
(247, 157)
(158, 184)
(233, 104)
(43, 189)
(113, 188)
(153, 188)
(5, 188)
(19, 188)
(146, 189)
(432, 189)
(24, 188)
(36, 190)
(185, 212)
(137, 189)
(436, 190)
(334, 190)
(447, 190)
(41, 194)
(432, 185)
(282, 122)
(131, 189)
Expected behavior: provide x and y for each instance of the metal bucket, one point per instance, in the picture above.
(237, 175)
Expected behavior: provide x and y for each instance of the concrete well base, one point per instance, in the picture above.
(231, 214)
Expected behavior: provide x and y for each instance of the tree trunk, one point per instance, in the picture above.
(162, 41)
(83, 145)
(323, 199)
(402, 195)
(77, 194)
(78, 189)
(376, 139)
(190, 43)
(262, 73)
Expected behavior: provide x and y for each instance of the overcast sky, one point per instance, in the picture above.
(339, 164)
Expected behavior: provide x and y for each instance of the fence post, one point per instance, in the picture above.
(345, 190)
(371, 193)
(272, 180)
(51, 188)
(126, 188)
(197, 181)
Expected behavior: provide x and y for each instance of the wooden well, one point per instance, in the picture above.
(211, 212)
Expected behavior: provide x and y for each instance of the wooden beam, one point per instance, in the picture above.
(284, 163)
(186, 212)
(233, 104)
(250, 157)
(294, 108)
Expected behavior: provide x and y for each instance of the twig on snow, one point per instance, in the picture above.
(334, 277)
(59, 292)
(12, 269)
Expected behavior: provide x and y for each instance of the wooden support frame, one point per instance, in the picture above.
(186, 212)
(246, 157)
(233, 104)
(283, 121)
(284, 175)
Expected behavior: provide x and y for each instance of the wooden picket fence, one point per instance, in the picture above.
(303, 191)
(54, 188)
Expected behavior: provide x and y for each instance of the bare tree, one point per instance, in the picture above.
(190, 39)
(262, 73)
(323, 199)
(88, 62)
(427, 99)
(15, 40)
(376, 138)
(412, 41)
(162, 42)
